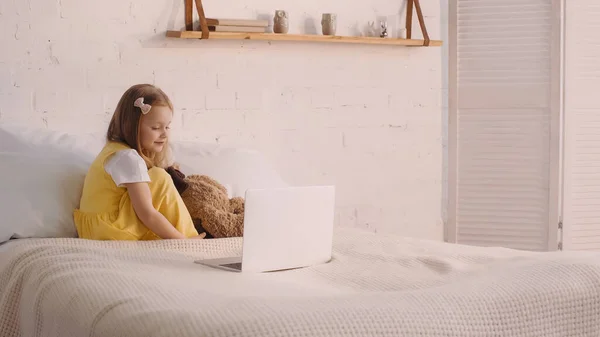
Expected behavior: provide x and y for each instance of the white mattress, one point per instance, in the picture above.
(375, 286)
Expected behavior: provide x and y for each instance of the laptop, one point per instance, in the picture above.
(284, 228)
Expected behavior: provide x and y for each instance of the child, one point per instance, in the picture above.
(127, 193)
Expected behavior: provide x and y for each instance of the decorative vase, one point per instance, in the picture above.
(280, 22)
(370, 31)
(329, 23)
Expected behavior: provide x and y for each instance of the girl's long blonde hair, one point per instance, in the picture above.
(124, 126)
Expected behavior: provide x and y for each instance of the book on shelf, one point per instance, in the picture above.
(236, 29)
(237, 22)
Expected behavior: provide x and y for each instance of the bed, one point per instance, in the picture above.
(54, 284)
(376, 285)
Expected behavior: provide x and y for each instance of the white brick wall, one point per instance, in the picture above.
(366, 118)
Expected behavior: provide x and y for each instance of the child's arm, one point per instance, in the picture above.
(141, 199)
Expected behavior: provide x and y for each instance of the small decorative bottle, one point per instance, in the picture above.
(280, 22)
(384, 27)
(329, 23)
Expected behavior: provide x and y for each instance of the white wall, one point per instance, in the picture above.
(444, 34)
(366, 118)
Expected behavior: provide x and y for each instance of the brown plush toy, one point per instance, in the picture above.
(209, 205)
(211, 209)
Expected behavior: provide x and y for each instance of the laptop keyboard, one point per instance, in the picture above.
(237, 265)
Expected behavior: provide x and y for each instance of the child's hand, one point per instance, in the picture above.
(199, 236)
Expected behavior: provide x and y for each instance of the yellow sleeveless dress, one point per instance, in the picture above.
(106, 213)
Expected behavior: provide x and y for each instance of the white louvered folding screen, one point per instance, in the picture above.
(581, 203)
(504, 115)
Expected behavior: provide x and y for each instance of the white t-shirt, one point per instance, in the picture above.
(127, 166)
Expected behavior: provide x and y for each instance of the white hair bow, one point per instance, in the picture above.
(140, 104)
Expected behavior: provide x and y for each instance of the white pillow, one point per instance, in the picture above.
(42, 174)
(39, 193)
(21, 139)
(236, 168)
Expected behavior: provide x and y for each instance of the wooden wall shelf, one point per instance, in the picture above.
(204, 33)
(301, 38)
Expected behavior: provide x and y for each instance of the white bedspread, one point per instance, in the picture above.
(375, 286)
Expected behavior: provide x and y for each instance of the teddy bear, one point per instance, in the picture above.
(212, 211)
